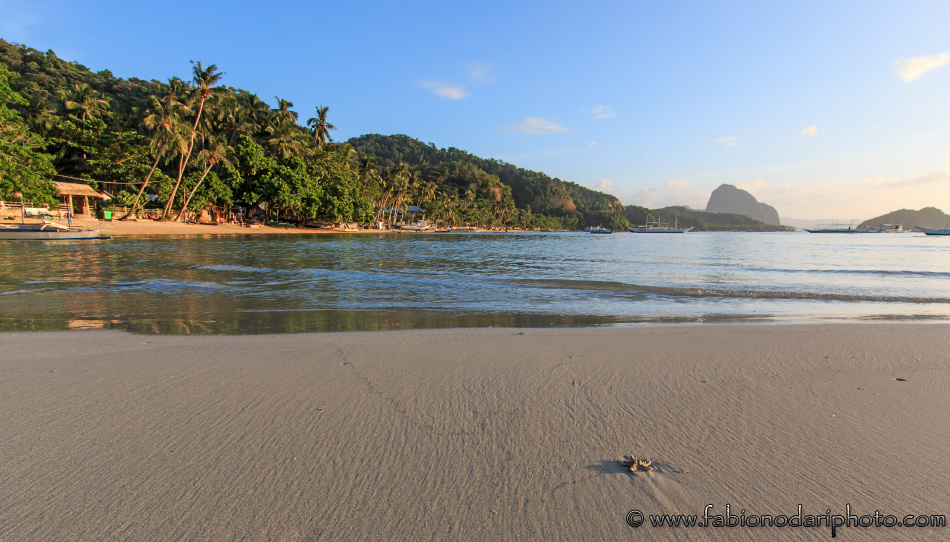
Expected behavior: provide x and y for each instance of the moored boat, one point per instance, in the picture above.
(835, 228)
(654, 226)
(598, 229)
(46, 231)
(935, 231)
(421, 225)
(932, 231)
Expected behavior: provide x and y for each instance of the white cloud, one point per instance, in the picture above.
(728, 141)
(671, 193)
(444, 90)
(535, 126)
(592, 144)
(757, 185)
(883, 183)
(811, 130)
(911, 69)
(602, 112)
(604, 185)
(481, 73)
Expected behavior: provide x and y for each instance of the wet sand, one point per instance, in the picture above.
(474, 434)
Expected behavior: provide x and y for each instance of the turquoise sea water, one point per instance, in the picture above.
(319, 282)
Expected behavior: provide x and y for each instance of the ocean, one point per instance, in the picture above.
(353, 282)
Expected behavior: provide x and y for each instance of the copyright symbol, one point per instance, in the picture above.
(634, 518)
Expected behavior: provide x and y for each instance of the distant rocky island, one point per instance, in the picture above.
(729, 199)
(928, 217)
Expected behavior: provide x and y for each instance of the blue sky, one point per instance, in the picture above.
(822, 109)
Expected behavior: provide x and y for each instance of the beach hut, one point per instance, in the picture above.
(67, 191)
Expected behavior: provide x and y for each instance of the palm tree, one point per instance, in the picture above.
(284, 140)
(320, 128)
(368, 169)
(177, 90)
(86, 100)
(216, 151)
(257, 113)
(283, 113)
(203, 78)
(165, 126)
(397, 182)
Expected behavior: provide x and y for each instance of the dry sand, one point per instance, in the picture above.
(486, 434)
(152, 227)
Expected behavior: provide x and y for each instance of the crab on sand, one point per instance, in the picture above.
(634, 464)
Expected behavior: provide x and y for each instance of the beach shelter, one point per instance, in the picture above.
(67, 191)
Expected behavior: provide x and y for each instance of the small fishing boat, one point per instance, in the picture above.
(598, 229)
(46, 231)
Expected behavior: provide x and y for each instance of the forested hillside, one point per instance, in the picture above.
(562, 204)
(179, 146)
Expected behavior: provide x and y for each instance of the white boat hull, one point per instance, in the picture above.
(29, 234)
(660, 230)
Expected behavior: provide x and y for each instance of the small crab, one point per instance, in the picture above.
(634, 464)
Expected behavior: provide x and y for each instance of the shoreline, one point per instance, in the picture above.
(149, 227)
(486, 433)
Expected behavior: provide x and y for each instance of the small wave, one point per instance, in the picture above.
(170, 285)
(241, 268)
(695, 291)
(895, 273)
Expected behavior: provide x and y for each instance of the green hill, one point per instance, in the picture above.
(563, 204)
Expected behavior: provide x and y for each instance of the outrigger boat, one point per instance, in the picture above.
(933, 231)
(654, 226)
(46, 231)
(836, 228)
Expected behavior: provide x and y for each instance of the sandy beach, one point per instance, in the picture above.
(148, 227)
(153, 227)
(476, 434)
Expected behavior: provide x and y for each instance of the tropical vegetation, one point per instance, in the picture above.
(178, 146)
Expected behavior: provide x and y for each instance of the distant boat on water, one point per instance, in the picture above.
(934, 231)
(893, 228)
(598, 229)
(654, 226)
(863, 228)
(836, 228)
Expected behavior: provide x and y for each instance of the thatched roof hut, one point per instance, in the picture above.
(68, 190)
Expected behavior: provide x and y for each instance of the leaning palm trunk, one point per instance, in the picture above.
(192, 193)
(142, 190)
(181, 170)
(184, 162)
